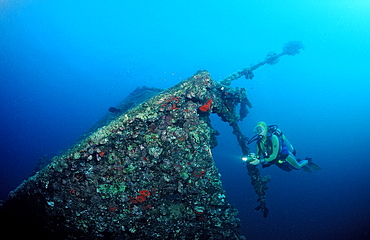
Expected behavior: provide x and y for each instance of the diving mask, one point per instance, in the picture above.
(260, 130)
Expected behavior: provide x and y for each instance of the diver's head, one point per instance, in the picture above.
(261, 132)
(261, 129)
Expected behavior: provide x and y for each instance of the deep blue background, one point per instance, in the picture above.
(64, 63)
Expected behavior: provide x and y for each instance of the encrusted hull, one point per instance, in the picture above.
(149, 174)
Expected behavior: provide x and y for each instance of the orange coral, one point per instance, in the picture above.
(141, 198)
(200, 173)
(101, 154)
(112, 209)
(206, 106)
(144, 193)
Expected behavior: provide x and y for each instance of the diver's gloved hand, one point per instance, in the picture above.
(251, 158)
(254, 159)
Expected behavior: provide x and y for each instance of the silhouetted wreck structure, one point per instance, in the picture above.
(147, 174)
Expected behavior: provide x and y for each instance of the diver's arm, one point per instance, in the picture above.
(275, 149)
(256, 157)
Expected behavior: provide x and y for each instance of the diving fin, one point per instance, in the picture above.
(312, 165)
(306, 168)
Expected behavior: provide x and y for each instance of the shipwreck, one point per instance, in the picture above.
(145, 171)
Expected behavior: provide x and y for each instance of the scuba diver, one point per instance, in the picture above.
(274, 148)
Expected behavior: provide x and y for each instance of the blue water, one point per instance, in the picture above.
(64, 63)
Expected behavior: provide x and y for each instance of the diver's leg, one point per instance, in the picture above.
(292, 161)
